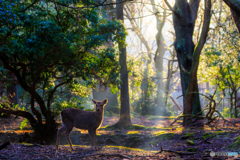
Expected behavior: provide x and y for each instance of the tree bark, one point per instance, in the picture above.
(185, 47)
(188, 55)
(236, 18)
(124, 117)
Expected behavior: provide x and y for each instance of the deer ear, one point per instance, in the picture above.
(105, 101)
(94, 101)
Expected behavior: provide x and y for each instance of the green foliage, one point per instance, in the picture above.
(166, 136)
(191, 142)
(57, 51)
(23, 124)
(219, 63)
(187, 135)
(226, 112)
(53, 40)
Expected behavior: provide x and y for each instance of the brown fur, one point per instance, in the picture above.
(72, 117)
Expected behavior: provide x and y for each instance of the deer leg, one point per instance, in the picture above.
(68, 138)
(91, 133)
(95, 139)
(60, 131)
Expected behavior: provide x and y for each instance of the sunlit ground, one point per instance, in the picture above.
(153, 125)
(146, 138)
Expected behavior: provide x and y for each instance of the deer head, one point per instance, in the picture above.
(99, 105)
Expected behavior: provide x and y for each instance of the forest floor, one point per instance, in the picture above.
(149, 138)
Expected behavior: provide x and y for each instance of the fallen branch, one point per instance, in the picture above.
(32, 145)
(177, 152)
(180, 116)
(4, 145)
(101, 155)
(176, 104)
(36, 144)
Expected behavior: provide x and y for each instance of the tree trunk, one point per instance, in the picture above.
(160, 19)
(235, 103)
(124, 117)
(144, 105)
(231, 104)
(145, 88)
(185, 47)
(236, 18)
(235, 9)
(169, 76)
(188, 55)
(159, 70)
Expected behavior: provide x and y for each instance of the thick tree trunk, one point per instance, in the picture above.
(188, 55)
(185, 47)
(125, 118)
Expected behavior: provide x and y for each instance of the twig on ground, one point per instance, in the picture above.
(32, 145)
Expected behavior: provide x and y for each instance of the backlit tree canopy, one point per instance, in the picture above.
(47, 44)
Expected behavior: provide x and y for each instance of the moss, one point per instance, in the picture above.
(187, 135)
(165, 136)
(133, 132)
(107, 127)
(207, 135)
(138, 127)
(218, 132)
(135, 127)
(160, 117)
(158, 133)
(210, 134)
(151, 143)
(191, 142)
(236, 144)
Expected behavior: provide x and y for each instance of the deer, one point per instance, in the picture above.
(89, 120)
